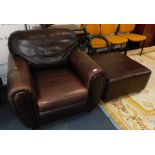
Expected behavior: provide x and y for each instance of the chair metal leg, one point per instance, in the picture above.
(142, 47)
(126, 48)
(109, 48)
(94, 51)
(91, 51)
(88, 50)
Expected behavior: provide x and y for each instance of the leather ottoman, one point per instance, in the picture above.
(123, 75)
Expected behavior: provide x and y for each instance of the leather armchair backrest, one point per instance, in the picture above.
(43, 48)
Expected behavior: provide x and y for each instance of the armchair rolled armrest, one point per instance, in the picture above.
(91, 74)
(21, 91)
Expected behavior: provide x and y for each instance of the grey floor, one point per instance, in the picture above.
(95, 120)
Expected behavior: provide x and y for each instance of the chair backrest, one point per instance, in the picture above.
(108, 28)
(43, 48)
(124, 28)
(92, 28)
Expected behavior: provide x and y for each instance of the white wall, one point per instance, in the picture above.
(5, 30)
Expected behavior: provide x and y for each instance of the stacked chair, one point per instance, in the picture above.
(125, 31)
(110, 31)
(107, 35)
(93, 39)
(102, 35)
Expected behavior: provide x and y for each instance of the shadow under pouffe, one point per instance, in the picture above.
(123, 75)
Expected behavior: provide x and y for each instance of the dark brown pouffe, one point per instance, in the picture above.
(123, 75)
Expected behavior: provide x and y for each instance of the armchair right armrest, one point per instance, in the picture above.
(91, 74)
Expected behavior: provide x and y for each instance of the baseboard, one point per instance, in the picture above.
(137, 51)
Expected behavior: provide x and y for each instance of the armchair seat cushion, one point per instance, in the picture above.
(59, 87)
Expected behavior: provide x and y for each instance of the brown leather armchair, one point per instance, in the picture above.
(49, 78)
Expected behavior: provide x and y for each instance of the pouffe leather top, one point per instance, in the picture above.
(118, 66)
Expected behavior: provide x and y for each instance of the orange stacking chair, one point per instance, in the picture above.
(110, 30)
(125, 31)
(95, 39)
